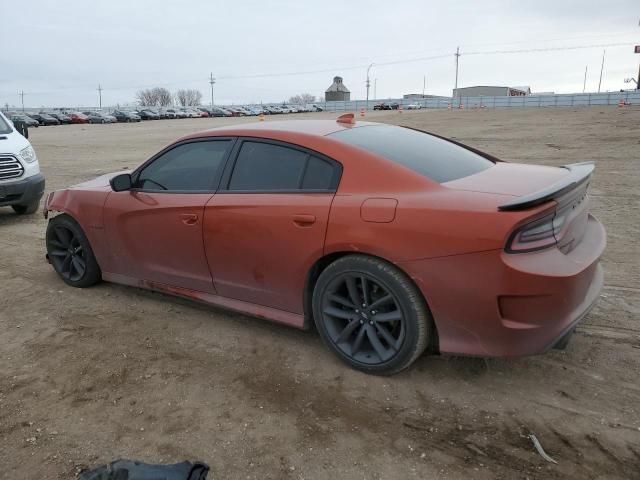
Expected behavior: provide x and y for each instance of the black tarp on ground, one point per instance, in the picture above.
(134, 470)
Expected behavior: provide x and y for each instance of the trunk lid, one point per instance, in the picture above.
(533, 185)
(512, 179)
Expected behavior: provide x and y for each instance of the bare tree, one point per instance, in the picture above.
(188, 97)
(163, 97)
(152, 97)
(302, 99)
(146, 97)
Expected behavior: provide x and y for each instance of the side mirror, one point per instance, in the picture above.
(121, 183)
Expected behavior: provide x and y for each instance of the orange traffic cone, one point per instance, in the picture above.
(621, 103)
(449, 106)
(399, 108)
(261, 117)
(362, 112)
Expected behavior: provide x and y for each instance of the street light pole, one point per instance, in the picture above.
(601, 69)
(375, 88)
(457, 54)
(100, 95)
(584, 85)
(212, 81)
(368, 83)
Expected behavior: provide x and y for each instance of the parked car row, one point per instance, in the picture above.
(65, 117)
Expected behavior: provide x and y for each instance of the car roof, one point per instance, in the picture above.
(263, 129)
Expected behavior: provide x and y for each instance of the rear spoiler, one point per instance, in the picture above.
(579, 173)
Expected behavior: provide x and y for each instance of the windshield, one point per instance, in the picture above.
(5, 126)
(433, 157)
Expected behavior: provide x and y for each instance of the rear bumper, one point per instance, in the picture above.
(498, 304)
(22, 191)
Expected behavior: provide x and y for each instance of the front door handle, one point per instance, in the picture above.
(189, 218)
(303, 220)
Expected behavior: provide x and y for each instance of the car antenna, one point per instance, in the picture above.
(348, 118)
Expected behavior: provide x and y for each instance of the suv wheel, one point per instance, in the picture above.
(26, 209)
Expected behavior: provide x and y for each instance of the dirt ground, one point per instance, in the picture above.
(88, 376)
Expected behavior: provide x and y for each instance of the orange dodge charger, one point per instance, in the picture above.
(392, 241)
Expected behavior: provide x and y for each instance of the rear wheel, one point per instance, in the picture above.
(371, 314)
(26, 209)
(70, 253)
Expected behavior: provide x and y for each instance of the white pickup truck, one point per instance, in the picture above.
(21, 183)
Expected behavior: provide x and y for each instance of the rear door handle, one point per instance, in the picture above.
(303, 220)
(189, 218)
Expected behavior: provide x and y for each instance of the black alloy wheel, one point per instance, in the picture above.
(70, 254)
(371, 314)
(363, 319)
(67, 255)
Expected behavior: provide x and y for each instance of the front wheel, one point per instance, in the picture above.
(371, 314)
(70, 254)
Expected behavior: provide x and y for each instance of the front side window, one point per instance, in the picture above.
(4, 125)
(269, 167)
(192, 166)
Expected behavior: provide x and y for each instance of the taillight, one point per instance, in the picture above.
(537, 235)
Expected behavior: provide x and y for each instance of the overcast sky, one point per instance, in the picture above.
(58, 52)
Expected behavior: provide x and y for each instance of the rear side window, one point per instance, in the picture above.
(433, 157)
(269, 167)
(319, 175)
(192, 166)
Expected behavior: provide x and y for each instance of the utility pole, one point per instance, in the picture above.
(584, 85)
(212, 81)
(424, 84)
(22, 98)
(100, 96)
(457, 54)
(368, 83)
(601, 69)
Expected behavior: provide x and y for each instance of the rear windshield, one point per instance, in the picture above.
(4, 125)
(425, 154)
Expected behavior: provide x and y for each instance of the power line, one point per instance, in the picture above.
(357, 67)
(549, 49)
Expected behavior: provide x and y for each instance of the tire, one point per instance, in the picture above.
(393, 328)
(26, 209)
(70, 253)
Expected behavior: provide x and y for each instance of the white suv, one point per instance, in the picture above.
(21, 183)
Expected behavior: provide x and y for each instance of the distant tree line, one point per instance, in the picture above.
(302, 99)
(161, 97)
